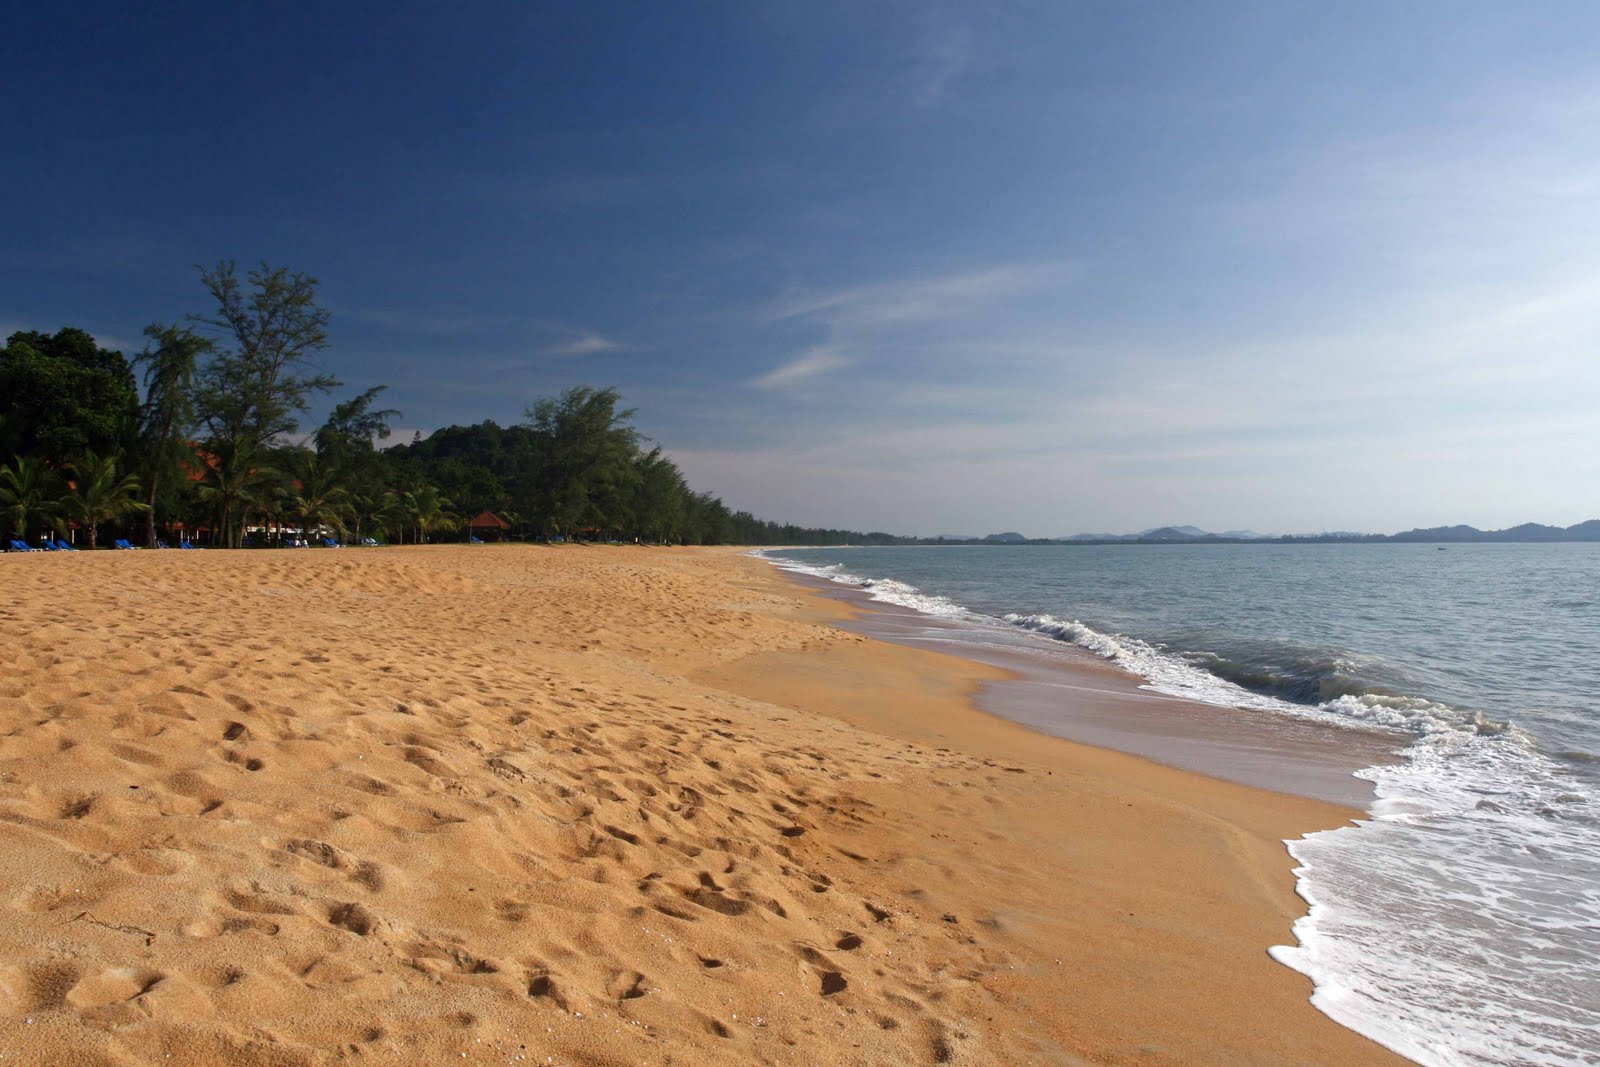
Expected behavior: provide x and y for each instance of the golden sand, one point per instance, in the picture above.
(509, 804)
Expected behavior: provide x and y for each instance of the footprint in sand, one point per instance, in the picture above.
(542, 986)
(115, 986)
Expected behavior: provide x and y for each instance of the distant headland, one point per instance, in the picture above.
(1527, 533)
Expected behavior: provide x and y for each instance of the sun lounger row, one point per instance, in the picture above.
(58, 545)
(122, 544)
(47, 545)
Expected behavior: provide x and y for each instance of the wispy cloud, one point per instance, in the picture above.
(548, 337)
(894, 319)
(585, 343)
(810, 364)
(910, 301)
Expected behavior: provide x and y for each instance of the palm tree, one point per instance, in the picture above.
(319, 498)
(30, 496)
(99, 495)
(168, 410)
(378, 511)
(427, 508)
(234, 483)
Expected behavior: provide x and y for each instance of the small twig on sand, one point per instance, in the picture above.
(83, 916)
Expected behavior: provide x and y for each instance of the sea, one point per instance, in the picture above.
(1458, 923)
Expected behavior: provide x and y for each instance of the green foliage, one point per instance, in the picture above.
(428, 511)
(207, 444)
(30, 497)
(101, 493)
(588, 474)
(354, 425)
(346, 446)
(61, 395)
(577, 470)
(319, 497)
(236, 483)
(254, 389)
(661, 502)
(170, 362)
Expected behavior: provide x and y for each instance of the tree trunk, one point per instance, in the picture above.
(150, 516)
(94, 530)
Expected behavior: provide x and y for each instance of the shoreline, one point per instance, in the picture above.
(853, 610)
(600, 804)
(1113, 708)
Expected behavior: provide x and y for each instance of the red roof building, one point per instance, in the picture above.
(488, 526)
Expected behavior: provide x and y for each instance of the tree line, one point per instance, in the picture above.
(200, 435)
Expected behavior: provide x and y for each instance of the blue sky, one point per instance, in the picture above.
(924, 268)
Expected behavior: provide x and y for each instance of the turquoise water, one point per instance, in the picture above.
(1460, 923)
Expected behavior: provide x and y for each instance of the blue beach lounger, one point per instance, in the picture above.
(62, 546)
(122, 543)
(20, 546)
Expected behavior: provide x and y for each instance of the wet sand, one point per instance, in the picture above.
(1067, 691)
(583, 805)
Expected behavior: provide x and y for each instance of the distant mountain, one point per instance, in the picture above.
(1157, 533)
(1173, 533)
(1440, 533)
(956, 537)
(1527, 532)
(1534, 531)
(1168, 533)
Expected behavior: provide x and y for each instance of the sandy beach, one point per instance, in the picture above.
(590, 805)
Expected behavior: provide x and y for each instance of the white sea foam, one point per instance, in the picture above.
(1166, 672)
(1460, 924)
(886, 590)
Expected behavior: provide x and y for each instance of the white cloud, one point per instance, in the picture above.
(919, 300)
(561, 338)
(812, 362)
(1388, 422)
(585, 343)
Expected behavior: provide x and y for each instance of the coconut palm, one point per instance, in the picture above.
(100, 494)
(378, 511)
(320, 498)
(234, 483)
(428, 512)
(169, 362)
(30, 496)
